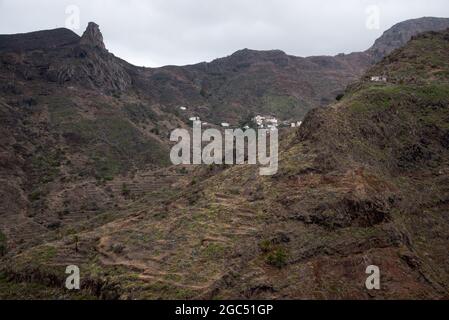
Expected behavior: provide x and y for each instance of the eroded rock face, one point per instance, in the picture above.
(93, 37)
(401, 33)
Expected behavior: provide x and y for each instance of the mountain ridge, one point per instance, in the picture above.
(291, 87)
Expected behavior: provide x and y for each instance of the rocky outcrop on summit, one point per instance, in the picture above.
(401, 33)
(92, 36)
(60, 56)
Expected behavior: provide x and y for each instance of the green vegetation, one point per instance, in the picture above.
(106, 167)
(11, 290)
(35, 195)
(46, 165)
(287, 106)
(116, 146)
(275, 254)
(214, 251)
(3, 244)
(125, 190)
(112, 142)
(139, 113)
(43, 254)
(278, 258)
(375, 99)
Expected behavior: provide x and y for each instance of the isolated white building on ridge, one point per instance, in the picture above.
(379, 79)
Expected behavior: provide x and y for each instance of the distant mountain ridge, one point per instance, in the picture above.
(232, 88)
(398, 35)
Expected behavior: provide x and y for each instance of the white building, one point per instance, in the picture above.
(266, 121)
(183, 108)
(379, 79)
(225, 125)
(194, 119)
(259, 120)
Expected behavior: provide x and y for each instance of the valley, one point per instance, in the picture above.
(86, 177)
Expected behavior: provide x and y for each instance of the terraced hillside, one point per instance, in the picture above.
(362, 182)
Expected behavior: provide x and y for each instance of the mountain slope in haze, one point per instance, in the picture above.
(401, 33)
(362, 182)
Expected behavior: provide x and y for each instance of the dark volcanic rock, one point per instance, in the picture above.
(401, 33)
(92, 36)
(48, 39)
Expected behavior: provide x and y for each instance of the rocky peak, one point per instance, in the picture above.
(401, 33)
(92, 36)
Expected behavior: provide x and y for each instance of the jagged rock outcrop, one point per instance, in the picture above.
(93, 37)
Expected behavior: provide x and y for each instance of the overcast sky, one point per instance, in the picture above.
(160, 32)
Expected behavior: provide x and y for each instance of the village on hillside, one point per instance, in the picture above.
(259, 121)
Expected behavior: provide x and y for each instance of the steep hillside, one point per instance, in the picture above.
(71, 124)
(251, 82)
(362, 182)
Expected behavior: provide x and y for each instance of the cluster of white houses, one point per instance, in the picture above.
(262, 122)
(271, 122)
(267, 122)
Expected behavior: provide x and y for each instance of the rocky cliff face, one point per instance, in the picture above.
(93, 37)
(60, 56)
(401, 33)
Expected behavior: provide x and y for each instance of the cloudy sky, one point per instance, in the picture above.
(161, 32)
